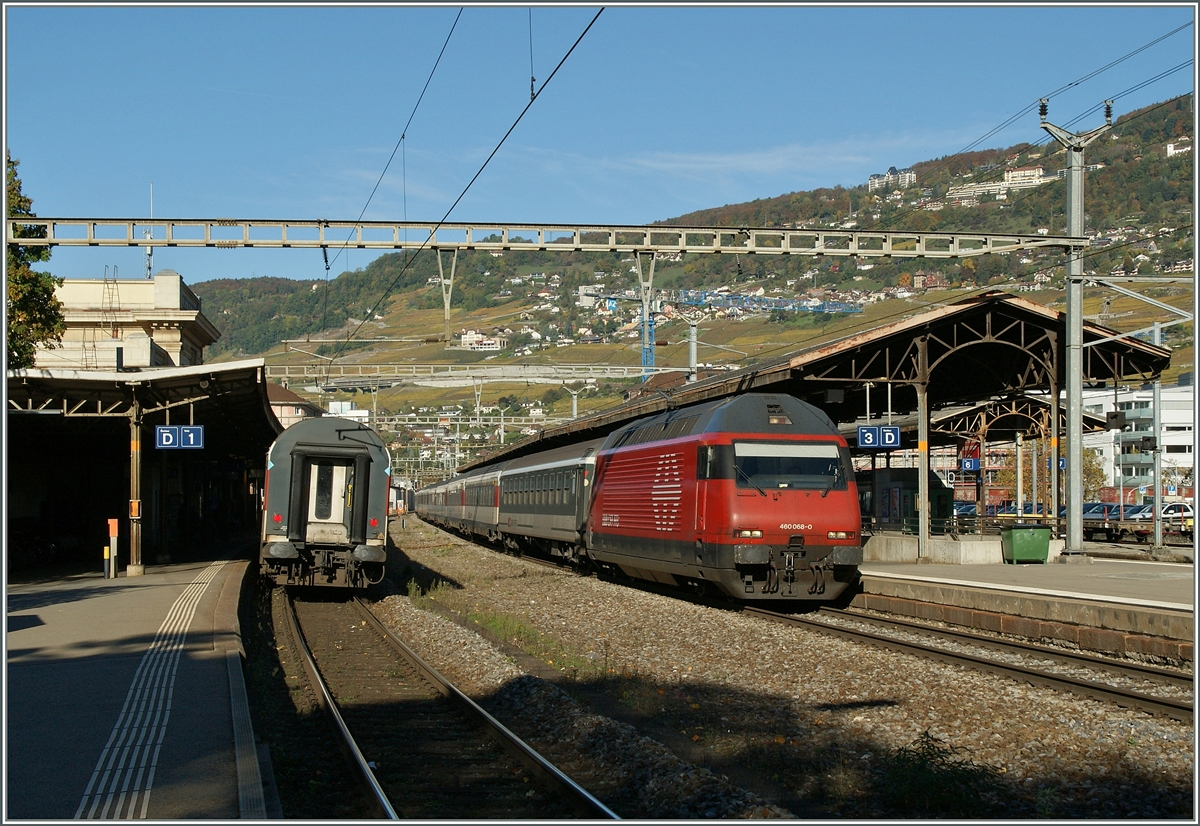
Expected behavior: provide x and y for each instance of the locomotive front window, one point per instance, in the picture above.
(808, 465)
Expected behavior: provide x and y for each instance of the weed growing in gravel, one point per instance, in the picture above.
(528, 638)
(931, 778)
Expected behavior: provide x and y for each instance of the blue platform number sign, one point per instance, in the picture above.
(1062, 463)
(175, 437)
(868, 436)
(889, 436)
(970, 465)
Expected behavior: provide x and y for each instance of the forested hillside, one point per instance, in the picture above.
(1138, 201)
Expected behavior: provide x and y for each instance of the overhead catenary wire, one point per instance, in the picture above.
(1060, 150)
(1032, 106)
(475, 177)
(1045, 139)
(1051, 95)
(403, 132)
(386, 166)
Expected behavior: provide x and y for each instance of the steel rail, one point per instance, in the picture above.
(1086, 688)
(363, 770)
(1131, 670)
(587, 805)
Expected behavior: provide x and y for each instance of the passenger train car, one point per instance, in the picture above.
(752, 497)
(326, 504)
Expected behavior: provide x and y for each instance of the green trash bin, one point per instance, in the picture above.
(1025, 543)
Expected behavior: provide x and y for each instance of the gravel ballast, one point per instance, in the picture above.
(762, 719)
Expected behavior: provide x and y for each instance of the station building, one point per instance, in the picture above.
(129, 323)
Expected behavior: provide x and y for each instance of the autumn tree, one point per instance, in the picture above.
(1094, 475)
(35, 315)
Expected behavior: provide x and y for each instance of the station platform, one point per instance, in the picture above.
(125, 697)
(1109, 605)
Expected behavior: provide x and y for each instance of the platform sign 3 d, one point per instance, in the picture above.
(878, 436)
(176, 437)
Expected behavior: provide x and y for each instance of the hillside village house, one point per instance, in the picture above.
(145, 322)
(290, 407)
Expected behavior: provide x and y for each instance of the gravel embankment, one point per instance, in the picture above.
(811, 725)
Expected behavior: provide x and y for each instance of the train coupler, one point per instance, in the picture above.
(789, 567)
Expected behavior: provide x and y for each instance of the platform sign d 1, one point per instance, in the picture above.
(868, 436)
(175, 437)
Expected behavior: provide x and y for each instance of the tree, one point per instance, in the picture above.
(35, 315)
(1094, 475)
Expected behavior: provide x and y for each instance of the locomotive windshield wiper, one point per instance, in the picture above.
(749, 481)
(833, 480)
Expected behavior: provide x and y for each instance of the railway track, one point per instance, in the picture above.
(1131, 685)
(421, 748)
(1154, 690)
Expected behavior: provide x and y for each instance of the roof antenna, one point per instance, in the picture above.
(149, 236)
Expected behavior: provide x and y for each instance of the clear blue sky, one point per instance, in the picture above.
(291, 113)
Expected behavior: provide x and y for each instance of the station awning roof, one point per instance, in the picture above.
(999, 420)
(984, 347)
(229, 399)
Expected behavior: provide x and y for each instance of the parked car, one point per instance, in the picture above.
(1139, 513)
(1169, 510)
(964, 509)
(1177, 510)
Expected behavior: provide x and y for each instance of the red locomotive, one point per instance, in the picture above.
(751, 496)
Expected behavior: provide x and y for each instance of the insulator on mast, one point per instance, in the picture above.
(1108, 112)
(1042, 107)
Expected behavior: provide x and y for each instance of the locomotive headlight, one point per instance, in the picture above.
(840, 535)
(744, 534)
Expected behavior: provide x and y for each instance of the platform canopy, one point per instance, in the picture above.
(995, 419)
(229, 400)
(987, 347)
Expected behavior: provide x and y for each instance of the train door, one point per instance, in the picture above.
(330, 501)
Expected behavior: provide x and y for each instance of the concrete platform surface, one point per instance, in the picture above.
(1150, 584)
(1115, 606)
(122, 697)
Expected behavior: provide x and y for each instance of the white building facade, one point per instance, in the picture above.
(1176, 439)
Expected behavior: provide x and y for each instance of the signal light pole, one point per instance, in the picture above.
(1074, 144)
